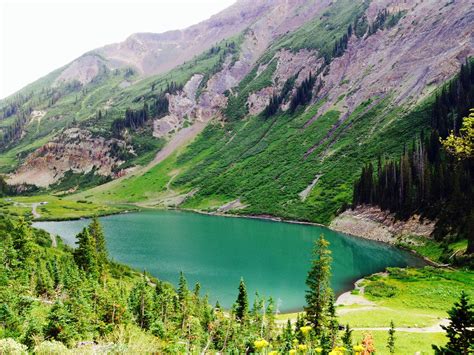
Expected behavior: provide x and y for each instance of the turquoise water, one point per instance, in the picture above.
(272, 257)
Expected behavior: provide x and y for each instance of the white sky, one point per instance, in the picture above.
(37, 37)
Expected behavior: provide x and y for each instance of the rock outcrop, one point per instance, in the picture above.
(372, 223)
(74, 150)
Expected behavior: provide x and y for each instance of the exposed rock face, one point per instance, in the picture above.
(74, 150)
(181, 105)
(289, 65)
(372, 223)
(84, 69)
(152, 53)
(407, 61)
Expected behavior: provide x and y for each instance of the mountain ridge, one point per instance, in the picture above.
(366, 67)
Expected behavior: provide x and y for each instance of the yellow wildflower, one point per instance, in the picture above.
(358, 349)
(303, 347)
(305, 330)
(319, 350)
(260, 344)
(292, 352)
(273, 352)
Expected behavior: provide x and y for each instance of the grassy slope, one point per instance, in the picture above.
(412, 298)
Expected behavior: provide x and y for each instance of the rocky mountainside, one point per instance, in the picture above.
(285, 101)
(152, 53)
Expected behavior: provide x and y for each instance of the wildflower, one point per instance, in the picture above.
(305, 330)
(319, 350)
(338, 350)
(358, 349)
(273, 352)
(302, 347)
(260, 344)
(292, 352)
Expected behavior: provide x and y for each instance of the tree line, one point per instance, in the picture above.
(425, 179)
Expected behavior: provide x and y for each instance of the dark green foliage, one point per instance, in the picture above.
(384, 20)
(460, 331)
(242, 302)
(425, 180)
(454, 100)
(380, 289)
(276, 100)
(347, 337)
(391, 338)
(85, 254)
(97, 234)
(304, 93)
(319, 293)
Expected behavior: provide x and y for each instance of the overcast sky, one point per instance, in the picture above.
(40, 36)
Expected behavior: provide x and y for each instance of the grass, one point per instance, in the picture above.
(380, 318)
(56, 208)
(405, 343)
(421, 299)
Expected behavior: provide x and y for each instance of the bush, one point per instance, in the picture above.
(380, 289)
(9, 346)
(51, 348)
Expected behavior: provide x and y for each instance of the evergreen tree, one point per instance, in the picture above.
(288, 337)
(97, 233)
(319, 292)
(460, 331)
(183, 290)
(391, 338)
(242, 302)
(347, 337)
(85, 254)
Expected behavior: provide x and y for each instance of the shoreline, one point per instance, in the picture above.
(351, 286)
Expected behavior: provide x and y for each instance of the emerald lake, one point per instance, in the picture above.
(272, 257)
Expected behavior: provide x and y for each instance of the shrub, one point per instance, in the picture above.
(380, 289)
(51, 348)
(9, 346)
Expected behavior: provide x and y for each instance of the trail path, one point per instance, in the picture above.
(436, 328)
(179, 140)
(33, 206)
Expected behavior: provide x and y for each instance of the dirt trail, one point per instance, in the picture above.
(33, 206)
(179, 140)
(436, 328)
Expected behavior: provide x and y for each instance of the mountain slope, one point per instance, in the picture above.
(294, 105)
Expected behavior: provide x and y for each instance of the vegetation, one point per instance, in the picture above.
(426, 180)
(460, 331)
(55, 298)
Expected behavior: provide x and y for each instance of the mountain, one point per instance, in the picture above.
(265, 108)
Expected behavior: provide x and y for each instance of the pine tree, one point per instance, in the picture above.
(22, 240)
(182, 287)
(391, 338)
(85, 254)
(97, 233)
(288, 337)
(319, 293)
(460, 331)
(242, 302)
(347, 337)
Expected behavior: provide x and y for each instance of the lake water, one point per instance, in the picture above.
(272, 257)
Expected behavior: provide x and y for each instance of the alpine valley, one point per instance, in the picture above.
(343, 113)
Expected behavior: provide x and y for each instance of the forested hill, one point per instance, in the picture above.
(277, 116)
